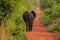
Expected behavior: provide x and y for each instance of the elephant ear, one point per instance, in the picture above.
(33, 13)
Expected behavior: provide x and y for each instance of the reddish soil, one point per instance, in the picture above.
(3, 34)
(39, 31)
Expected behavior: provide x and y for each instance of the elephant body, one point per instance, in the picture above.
(28, 18)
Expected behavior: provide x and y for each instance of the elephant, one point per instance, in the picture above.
(28, 18)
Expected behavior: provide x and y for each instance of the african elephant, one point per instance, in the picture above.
(28, 18)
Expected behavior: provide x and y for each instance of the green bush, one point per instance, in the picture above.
(45, 16)
(50, 13)
(55, 28)
(11, 14)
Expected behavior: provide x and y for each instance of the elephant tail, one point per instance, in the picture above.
(33, 13)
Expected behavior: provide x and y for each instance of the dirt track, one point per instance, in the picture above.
(39, 31)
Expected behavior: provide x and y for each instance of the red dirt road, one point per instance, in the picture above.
(39, 31)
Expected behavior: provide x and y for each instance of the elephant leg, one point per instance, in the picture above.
(27, 26)
(30, 27)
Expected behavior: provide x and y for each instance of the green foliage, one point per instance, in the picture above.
(45, 16)
(47, 3)
(12, 11)
(49, 14)
(5, 7)
(56, 27)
